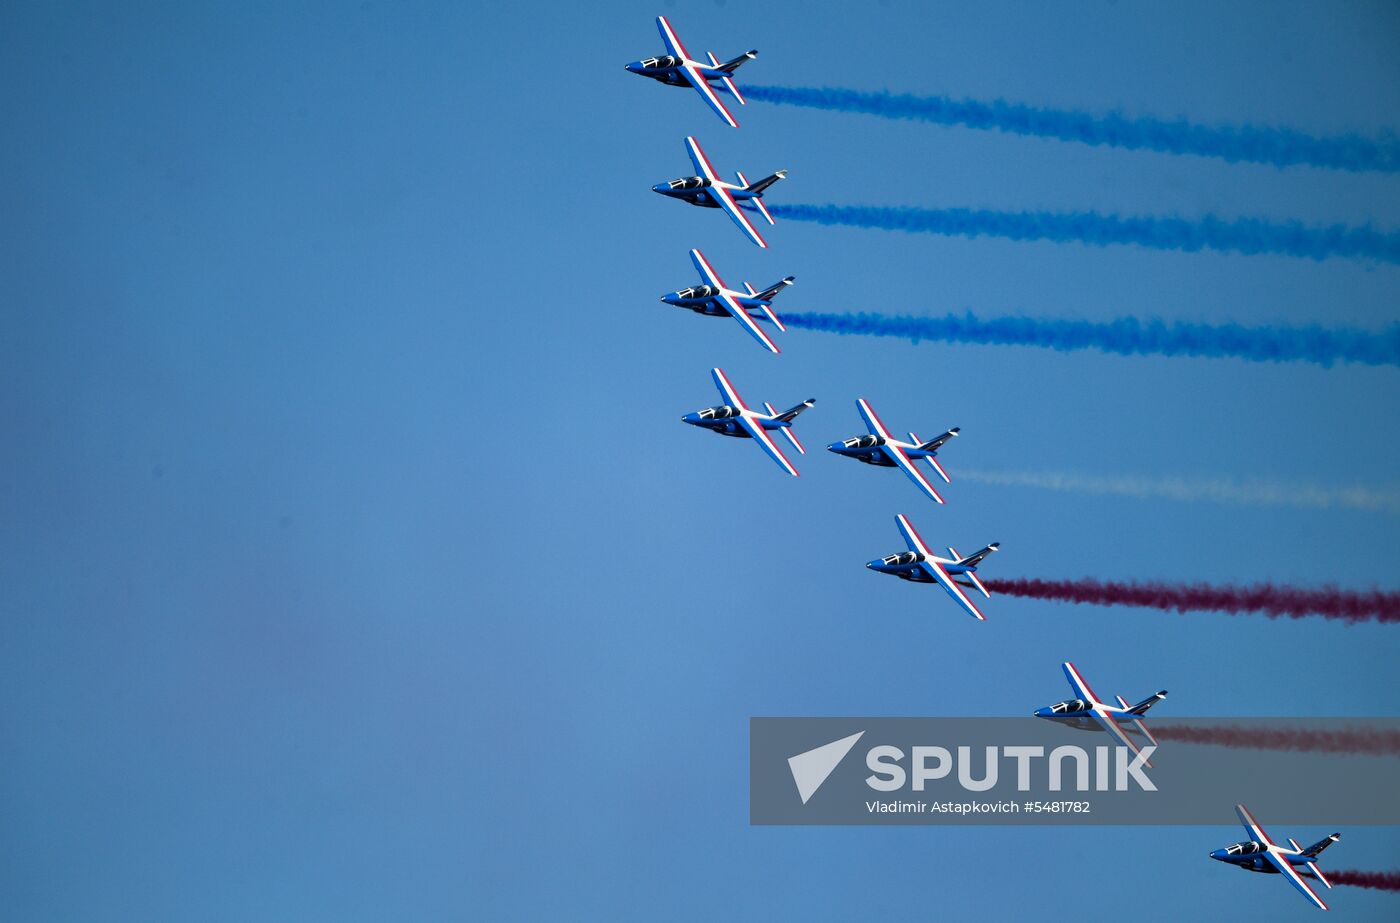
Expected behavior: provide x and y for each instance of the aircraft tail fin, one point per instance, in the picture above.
(976, 557)
(758, 187)
(787, 416)
(730, 67)
(934, 444)
(768, 293)
(754, 203)
(1142, 707)
(1315, 849)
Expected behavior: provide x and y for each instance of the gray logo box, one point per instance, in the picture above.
(936, 771)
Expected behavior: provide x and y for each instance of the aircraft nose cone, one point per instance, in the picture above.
(1218, 854)
(873, 564)
(834, 446)
(1041, 713)
(633, 67)
(661, 187)
(691, 418)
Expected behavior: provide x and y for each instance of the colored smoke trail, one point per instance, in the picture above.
(1125, 336)
(1266, 598)
(1281, 147)
(1239, 235)
(1380, 881)
(1220, 490)
(1347, 740)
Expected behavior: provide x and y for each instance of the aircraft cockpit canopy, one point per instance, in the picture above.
(1245, 849)
(719, 413)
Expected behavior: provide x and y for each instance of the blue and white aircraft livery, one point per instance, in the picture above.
(1261, 854)
(1086, 709)
(734, 418)
(677, 69)
(882, 449)
(709, 191)
(923, 566)
(713, 299)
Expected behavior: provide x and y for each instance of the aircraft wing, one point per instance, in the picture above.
(954, 590)
(718, 193)
(896, 454)
(707, 92)
(1115, 730)
(930, 564)
(712, 279)
(748, 322)
(707, 272)
(1078, 683)
(672, 40)
(1142, 729)
(702, 163)
(759, 434)
(726, 201)
(1251, 826)
(872, 422)
(727, 390)
(1286, 869)
(911, 538)
(674, 47)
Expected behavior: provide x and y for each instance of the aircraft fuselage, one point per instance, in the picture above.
(723, 420)
(867, 449)
(907, 565)
(1250, 854)
(665, 69)
(692, 189)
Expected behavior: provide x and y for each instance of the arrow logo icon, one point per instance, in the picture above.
(810, 769)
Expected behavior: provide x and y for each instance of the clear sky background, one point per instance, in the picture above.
(355, 564)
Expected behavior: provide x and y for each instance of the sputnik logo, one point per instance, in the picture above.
(811, 769)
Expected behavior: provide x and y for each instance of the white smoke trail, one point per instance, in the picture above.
(1220, 490)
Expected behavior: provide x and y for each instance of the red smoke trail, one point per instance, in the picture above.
(1381, 881)
(1273, 601)
(1378, 742)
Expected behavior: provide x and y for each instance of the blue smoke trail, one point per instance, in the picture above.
(1281, 147)
(1241, 235)
(1127, 336)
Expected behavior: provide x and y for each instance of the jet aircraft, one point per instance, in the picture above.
(1087, 709)
(677, 69)
(1261, 854)
(734, 418)
(715, 300)
(709, 191)
(882, 449)
(923, 566)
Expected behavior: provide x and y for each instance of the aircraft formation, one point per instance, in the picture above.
(955, 574)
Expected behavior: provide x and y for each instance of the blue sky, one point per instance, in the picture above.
(356, 564)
